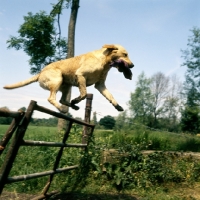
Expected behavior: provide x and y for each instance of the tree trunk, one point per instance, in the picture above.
(62, 124)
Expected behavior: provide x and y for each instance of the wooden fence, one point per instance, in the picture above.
(16, 132)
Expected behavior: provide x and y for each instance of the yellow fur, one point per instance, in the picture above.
(81, 71)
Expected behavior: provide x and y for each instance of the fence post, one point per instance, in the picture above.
(88, 109)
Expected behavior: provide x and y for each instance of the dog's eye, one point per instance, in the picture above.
(125, 54)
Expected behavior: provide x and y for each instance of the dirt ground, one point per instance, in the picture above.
(74, 196)
(179, 192)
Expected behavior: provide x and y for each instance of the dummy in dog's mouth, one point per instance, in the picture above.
(122, 66)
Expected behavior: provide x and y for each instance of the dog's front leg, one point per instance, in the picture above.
(82, 88)
(104, 91)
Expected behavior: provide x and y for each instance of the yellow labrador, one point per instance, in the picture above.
(81, 71)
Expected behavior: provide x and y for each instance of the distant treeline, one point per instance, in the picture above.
(34, 121)
(52, 121)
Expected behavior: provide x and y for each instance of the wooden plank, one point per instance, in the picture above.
(50, 144)
(60, 115)
(39, 174)
(6, 113)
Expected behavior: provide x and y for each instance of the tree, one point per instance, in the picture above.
(108, 122)
(62, 124)
(190, 119)
(122, 121)
(172, 105)
(159, 90)
(192, 61)
(94, 119)
(192, 57)
(140, 102)
(38, 38)
(156, 101)
(23, 109)
(40, 41)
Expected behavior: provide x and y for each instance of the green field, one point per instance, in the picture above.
(156, 176)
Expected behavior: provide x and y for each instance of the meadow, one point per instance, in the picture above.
(129, 174)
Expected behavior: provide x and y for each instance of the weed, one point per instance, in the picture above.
(130, 170)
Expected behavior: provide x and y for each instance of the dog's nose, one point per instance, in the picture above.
(131, 65)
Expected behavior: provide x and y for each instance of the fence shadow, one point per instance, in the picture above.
(81, 196)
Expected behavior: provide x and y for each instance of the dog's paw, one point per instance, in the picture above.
(74, 107)
(119, 108)
(74, 101)
(65, 103)
(63, 109)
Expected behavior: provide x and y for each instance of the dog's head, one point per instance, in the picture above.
(118, 57)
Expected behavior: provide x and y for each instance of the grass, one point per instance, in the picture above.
(183, 174)
(164, 141)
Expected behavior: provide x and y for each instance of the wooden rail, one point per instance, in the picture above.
(19, 126)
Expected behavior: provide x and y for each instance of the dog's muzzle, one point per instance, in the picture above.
(131, 66)
(124, 67)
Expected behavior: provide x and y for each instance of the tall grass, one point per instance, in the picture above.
(38, 159)
(155, 140)
(132, 172)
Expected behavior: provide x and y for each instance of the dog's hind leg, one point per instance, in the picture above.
(82, 88)
(52, 100)
(65, 89)
(52, 80)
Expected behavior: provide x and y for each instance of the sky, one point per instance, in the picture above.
(153, 32)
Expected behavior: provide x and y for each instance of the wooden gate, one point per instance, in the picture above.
(18, 127)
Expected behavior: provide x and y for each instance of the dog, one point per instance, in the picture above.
(81, 71)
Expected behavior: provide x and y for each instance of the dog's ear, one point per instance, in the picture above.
(110, 47)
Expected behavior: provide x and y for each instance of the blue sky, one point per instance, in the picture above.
(152, 31)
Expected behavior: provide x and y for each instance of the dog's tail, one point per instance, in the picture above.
(22, 83)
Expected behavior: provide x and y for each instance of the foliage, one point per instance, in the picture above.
(108, 122)
(132, 170)
(140, 102)
(156, 102)
(154, 140)
(38, 38)
(192, 55)
(94, 119)
(137, 170)
(190, 120)
(159, 86)
(122, 121)
(53, 121)
(129, 168)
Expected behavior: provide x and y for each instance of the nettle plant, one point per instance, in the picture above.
(131, 168)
